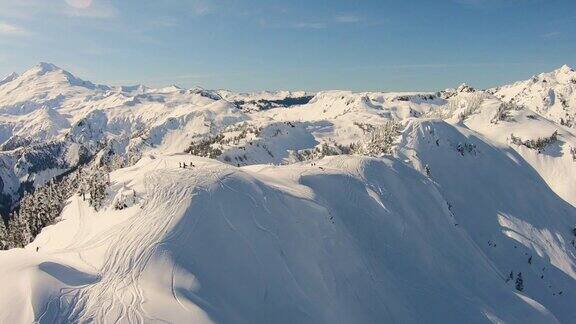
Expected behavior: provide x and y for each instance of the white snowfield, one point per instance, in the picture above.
(350, 240)
(477, 191)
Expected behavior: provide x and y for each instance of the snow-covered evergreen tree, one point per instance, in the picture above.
(125, 199)
(538, 144)
(19, 234)
(36, 210)
(82, 183)
(96, 185)
(43, 206)
(381, 139)
(3, 236)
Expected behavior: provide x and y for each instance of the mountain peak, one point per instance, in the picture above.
(464, 88)
(168, 89)
(565, 74)
(56, 74)
(46, 67)
(42, 69)
(11, 77)
(565, 69)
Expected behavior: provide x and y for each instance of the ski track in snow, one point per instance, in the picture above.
(131, 245)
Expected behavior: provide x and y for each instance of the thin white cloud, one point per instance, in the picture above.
(166, 80)
(30, 9)
(552, 34)
(202, 7)
(479, 3)
(309, 25)
(470, 2)
(426, 66)
(94, 50)
(89, 9)
(194, 7)
(164, 22)
(488, 3)
(347, 19)
(7, 29)
(82, 4)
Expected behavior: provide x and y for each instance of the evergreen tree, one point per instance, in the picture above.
(19, 231)
(82, 184)
(37, 210)
(3, 236)
(519, 282)
(41, 207)
(97, 184)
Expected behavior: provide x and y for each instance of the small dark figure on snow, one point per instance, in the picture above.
(530, 260)
(427, 169)
(519, 282)
(37, 248)
(460, 149)
(510, 276)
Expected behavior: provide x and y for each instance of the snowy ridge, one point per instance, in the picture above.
(11, 77)
(551, 94)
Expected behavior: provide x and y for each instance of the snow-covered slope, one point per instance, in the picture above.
(350, 240)
(547, 146)
(448, 207)
(510, 211)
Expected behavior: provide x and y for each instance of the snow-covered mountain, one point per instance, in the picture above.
(551, 94)
(448, 207)
(49, 106)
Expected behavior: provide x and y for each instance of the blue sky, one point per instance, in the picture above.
(271, 44)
